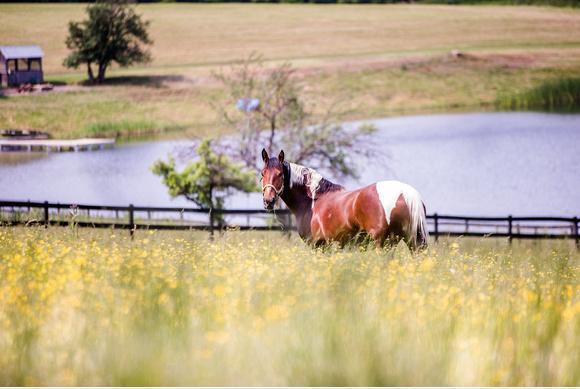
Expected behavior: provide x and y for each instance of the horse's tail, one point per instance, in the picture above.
(418, 234)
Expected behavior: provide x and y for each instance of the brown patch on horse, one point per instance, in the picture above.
(371, 215)
(400, 219)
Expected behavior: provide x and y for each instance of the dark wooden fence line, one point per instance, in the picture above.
(512, 230)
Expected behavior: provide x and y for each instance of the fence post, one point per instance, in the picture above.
(211, 224)
(576, 236)
(510, 223)
(131, 220)
(436, 232)
(46, 221)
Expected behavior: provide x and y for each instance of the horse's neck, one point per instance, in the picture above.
(297, 200)
(300, 205)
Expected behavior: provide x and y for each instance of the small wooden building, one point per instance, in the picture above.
(20, 65)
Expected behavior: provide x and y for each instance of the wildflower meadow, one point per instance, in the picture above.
(93, 307)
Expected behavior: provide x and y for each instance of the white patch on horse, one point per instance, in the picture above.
(297, 173)
(314, 181)
(389, 192)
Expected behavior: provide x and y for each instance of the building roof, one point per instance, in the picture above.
(16, 52)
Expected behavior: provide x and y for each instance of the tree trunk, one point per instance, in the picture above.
(102, 71)
(90, 72)
(272, 132)
(211, 217)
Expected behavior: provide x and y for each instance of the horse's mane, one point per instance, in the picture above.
(325, 186)
(317, 185)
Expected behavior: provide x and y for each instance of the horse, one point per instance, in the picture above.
(325, 212)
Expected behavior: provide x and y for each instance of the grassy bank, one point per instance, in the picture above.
(420, 85)
(561, 94)
(93, 308)
(378, 59)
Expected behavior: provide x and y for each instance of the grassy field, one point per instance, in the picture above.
(93, 307)
(378, 59)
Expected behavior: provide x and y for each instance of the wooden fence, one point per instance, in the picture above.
(178, 218)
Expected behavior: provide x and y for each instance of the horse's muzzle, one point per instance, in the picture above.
(269, 204)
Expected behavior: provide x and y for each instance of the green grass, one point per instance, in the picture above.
(92, 307)
(378, 60)
(553, 95)
(432, 84)
(120, 128)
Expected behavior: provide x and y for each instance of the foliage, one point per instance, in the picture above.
(562, 94)
(208, 180)
(251, 309)
(268, 107)
(112, 33)
(120, 128)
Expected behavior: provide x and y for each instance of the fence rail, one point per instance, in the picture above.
(186, 218)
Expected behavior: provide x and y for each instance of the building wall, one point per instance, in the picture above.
(19, 77)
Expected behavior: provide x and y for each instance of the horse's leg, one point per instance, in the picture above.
(421, 243)
(379, 236)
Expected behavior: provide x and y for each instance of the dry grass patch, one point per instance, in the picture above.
(208, 34)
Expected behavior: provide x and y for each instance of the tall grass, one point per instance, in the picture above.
(126, 128)
(95, 308)
(562, 94)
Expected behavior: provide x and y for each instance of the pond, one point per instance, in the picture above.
(484, 164)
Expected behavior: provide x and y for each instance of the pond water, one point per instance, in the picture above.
(466, 164)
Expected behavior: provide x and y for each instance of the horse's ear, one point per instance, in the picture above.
(265, 156)
(281, 156)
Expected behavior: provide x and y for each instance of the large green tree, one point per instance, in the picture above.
(113, 32)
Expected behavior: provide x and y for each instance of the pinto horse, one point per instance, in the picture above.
(388, 211)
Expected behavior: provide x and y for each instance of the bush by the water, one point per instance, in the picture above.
(135, 128)
(92, 308)
(556, 95)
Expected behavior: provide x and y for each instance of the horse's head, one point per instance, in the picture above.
(272, 178)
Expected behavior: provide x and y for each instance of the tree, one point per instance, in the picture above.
(112, 33)
(267, 107)
(208, 180)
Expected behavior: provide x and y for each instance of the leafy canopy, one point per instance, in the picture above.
(207, 180)
(113, 32)
(268, 107)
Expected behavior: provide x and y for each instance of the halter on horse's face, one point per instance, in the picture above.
(272, 179)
